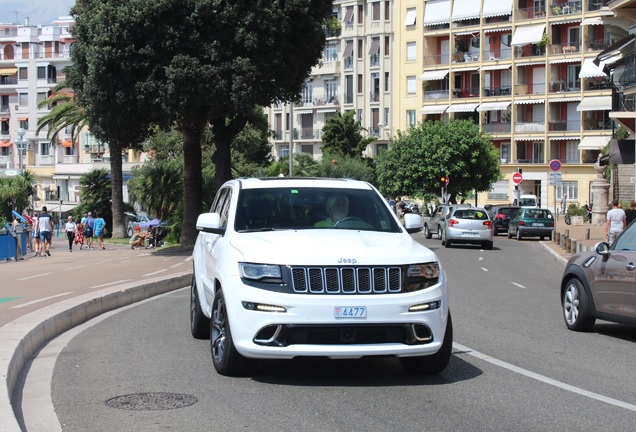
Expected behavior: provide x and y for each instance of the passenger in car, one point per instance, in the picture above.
(337, 208)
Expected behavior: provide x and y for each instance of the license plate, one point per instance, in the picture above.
(350, 312)
(537, 224)
(470, 234)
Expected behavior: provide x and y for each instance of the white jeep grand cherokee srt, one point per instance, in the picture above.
(296, 267)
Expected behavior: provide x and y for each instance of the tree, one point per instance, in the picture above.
(95, 195)
(341, 135)
(416, 157)
(66, 113)
(222, 58)
(15, 193)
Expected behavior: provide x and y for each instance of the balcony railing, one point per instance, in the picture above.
(530, 13)
(278, 134)
(8, 80)
(567, 7)
(497, 91)
(564, 125)
(529, 127)
(466, 92)
(374, 60)
(348, 62)
(436, 94)
(628, 78)
(564, 86)
(4, 161)
(597, 124)
(593, 5)
(374, 96)
(494, 128)
(603, 85)
(597, 44)
(45, 159)
(348, 98)
(524, 89)
(565, 48)
(436, 59)
(530, 50)
(538, 159)
(622, 102)
(503, 54)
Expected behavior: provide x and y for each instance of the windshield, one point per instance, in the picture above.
(527, 202)
(312, 208)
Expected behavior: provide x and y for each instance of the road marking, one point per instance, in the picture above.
(154, 273)
(516, 284)
(481, 258)
(102, 262)
(35, 276)
(110, 283)
(176, 265)
(75, 268)
(544, 379)
(484, 269)
(8, 299)
(39, 300)
(188, 259)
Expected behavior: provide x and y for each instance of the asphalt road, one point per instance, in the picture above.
(515, 366)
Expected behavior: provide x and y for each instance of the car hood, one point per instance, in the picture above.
(331, 247)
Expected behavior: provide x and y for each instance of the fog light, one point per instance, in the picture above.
(425, 306)
(263, 307)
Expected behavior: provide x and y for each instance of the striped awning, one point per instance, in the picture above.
(493, 106)
(434, 75)
(495, 67)
(566, 99)
(463, 107)
(594, 103)
(594, 142)
(528, 101)
(301, 112)
(326, 110)
(433, 109)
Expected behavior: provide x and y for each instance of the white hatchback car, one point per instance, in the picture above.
(286, 268)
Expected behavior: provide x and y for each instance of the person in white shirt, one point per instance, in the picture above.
(615, 222)
(70, 232)
(45, 226)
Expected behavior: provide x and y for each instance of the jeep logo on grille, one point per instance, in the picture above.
(344, 260)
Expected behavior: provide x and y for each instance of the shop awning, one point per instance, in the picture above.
(594, 142)
(592, 21)
(411, 15)
(495, 67)
(528, 34)
(466, 69)
(595, 103)
(463, 107)
(465, 10)
(590, 70)
(433, 109)
(8, 71)
(23, 119)
(437, 12)
(566, 21)
(493, 106)
(66, 143)
(532, 63)
(434, 75)
(496, 8)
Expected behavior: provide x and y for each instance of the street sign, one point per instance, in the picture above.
(517, 177)
(555, 164)
(556, 178)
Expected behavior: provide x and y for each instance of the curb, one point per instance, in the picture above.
(23, 336)
(554, 253)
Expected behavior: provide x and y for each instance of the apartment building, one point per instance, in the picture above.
(354, 74)
(32, 62)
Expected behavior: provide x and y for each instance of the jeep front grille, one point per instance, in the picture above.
(354, 280)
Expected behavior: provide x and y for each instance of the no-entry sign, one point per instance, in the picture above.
(517, 178)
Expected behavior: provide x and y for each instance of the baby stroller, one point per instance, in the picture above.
(160, 233)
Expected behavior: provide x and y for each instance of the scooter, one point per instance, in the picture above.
(588, 212)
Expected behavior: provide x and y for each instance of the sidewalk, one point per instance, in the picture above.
(571, 239)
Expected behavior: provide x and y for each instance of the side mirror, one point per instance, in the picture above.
(602, 248)
(210, 222)
(413, 223)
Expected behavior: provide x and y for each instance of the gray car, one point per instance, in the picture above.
(600, 284)
(467, 226)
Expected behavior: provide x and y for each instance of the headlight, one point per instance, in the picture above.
(260, 272)
(421, 276)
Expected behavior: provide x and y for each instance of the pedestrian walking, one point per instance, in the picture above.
(70, 228)
(35, 235)
(79, 235)
(564, 203)
(99, 225)
(615, 222)
(88, 230)
(630, 213)
(45, 226)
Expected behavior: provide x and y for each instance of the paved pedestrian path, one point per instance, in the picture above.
(582, 237)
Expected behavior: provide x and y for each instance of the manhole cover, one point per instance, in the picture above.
(151, 401)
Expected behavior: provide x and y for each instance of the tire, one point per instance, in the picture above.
(130, 231)
(550, 237)
(519, 236)
(199, 323)
(432, 364)
(439, 232)
(427, 232)
(509, 234)
(568, 220)
(576, 307)
(495, 232)
(226, 359)
(541, 238)
(488, 245)
(445, 241)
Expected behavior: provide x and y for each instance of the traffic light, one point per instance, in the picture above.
(442, 179)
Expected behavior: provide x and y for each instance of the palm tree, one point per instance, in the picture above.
(15, 193)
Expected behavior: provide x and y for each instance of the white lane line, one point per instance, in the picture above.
(35, 276)
(110, 283)
(481, 258)
(544, 379)
(516, 284)
(74, 268)
(484, 269)
(176, 265)
(154, 273)
(39, 300)
(102, 262)
(188, 259)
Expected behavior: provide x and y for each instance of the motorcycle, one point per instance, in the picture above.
(588, 212)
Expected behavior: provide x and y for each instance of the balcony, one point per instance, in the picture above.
(8, 80)
(565, 48)
(622, 102)
(562, 86)
(348, 98)
(466, 92)
(566, 8)
(374, 97)
(529, 127)
(529, 13)
(593, 5)
(597, 44)
(497, 91)
(435, 60)
(495, 128)
(465, 57)
(374, 60)
(597, 124)
(502, 54)
(436, 94)
(530, 50)
(564, 125)
(5, 161)
(45, 160)
(529, 89)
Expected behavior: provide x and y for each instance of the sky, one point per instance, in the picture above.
(38, 11)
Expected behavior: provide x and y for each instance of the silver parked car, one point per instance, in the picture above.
(467, 226)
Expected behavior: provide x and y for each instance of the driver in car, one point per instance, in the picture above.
(337, 208)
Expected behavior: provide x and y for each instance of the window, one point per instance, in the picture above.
(23, 99)
(24, 123)
(411, 84)
(569, 187)
(348, 18)
(331, 91)
(307, 94)
(41, 97)
(45, 147)
(474, 42)
(506, 39)
(23, 73)
(572, 152)
(411, 16)
(360, 115)
(375, 11)
(284, 151)
(387, 10)
(379, 148)
(387, 46)
(411, 51)
(359, 83)
(504, 152)
(331, 52)
(307, 148)
(360, 14)
(41, 72)
(387, 82)
(410, 118)
(386, 116)
(359, 48)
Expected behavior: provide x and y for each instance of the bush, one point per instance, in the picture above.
(575, 210)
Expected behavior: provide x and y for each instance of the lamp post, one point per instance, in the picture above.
(21, 143)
